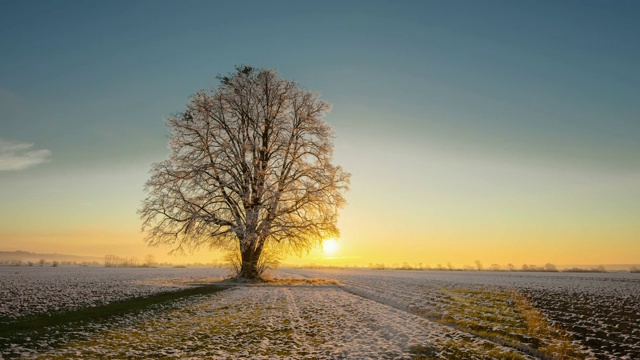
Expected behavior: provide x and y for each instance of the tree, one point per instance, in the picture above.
(149, 260)
(479, 265)
(111, 261)
(249, 169)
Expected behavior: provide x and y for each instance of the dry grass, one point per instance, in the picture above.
(303, 282)
(507, 317)
(556, 341)
(280, 282)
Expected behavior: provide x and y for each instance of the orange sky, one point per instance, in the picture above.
(519, 219)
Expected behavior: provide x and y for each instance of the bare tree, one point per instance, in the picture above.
(478, 265)
(250, 167)
(111, 260)
(149, 260)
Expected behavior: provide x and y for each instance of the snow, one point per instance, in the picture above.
(260, 322)
(601, 311)
(36, 290)
(365, 314)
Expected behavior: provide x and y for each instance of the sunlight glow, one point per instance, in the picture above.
(330, 246)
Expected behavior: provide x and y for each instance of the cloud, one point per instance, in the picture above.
(18, 156)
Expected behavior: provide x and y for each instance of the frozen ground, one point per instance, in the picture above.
(372, 314)
(315, 322)
(36, 290)
(600, 311)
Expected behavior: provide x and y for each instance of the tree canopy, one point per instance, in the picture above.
(250, 168)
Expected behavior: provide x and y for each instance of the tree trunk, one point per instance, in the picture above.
(249, 267)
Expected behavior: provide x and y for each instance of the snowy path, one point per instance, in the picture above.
(586, 315)
(322, 322)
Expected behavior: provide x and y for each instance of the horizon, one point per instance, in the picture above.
(94, 260)
(499, 132)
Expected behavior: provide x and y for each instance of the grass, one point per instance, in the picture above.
(32, 327)
(507, 317)
(302, 282)
(269, 281)
(193, 328)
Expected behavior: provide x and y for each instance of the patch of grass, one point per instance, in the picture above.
(302, 282)
(195, 329)
(32, 327)
(266, 281)
(506, 316)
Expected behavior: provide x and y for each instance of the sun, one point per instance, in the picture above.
(330, 246)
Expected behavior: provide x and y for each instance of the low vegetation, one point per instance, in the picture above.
(506, 317)
(30, 328)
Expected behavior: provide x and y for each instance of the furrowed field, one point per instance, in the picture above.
(187, 313)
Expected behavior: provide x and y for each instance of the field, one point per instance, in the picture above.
(73, 312)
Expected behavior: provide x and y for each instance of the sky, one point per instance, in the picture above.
(498, 131)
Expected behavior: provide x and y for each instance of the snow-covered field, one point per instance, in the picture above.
(600, 311)
(36, 290)
(372, 314)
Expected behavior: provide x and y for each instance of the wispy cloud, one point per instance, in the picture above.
(18, 156)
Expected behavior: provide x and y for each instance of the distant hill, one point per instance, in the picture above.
(30, 256)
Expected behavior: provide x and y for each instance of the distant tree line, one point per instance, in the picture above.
(150, 261)
(44, 262)
(117, 261)
(549, 267)
(478, 266)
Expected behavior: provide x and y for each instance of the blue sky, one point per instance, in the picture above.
(475, 103)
